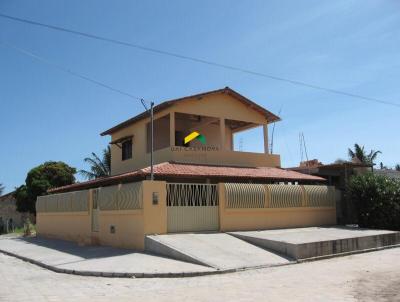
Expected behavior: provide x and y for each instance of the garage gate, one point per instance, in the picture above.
(192, 207)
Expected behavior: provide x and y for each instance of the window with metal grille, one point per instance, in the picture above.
(126, 149)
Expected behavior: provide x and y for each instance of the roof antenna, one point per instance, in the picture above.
(272, 135)
(303, 147)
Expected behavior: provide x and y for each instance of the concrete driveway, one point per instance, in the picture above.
(218, 250)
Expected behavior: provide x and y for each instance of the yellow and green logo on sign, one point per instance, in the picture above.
(194, 135)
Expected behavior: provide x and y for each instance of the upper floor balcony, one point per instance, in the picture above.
(212, 143)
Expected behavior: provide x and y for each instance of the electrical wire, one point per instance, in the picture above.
(71, 72)
(202, 61)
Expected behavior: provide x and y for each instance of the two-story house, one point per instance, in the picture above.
(217, 116)
(198, 178)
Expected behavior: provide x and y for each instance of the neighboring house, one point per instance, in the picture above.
(388, 173)
(337, 175)
(10, 218)
(200, 182)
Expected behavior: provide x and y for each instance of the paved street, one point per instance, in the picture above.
(365, 277)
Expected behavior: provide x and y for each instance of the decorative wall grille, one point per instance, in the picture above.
(63, 202)
(191, 195)
(121, 197)
(285, 196)
(247, 196)
(107, 201)
(320, 196)
(244, 195)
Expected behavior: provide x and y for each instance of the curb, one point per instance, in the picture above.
(185, 274)
(139, 275)
(374, 249)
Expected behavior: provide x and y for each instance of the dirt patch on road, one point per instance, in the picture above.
(374, 287)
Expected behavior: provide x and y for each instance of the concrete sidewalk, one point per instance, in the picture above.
(68, 257)
(314, 242)
(195, 254)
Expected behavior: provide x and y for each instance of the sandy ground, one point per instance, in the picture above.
(371, 276)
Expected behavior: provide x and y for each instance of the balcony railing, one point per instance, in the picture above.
(214, 156)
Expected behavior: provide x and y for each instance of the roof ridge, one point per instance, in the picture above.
(170, 102)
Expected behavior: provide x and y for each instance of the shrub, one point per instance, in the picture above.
(377, 201)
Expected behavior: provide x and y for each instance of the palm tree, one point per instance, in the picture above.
(360, 154)
(1, 189)
(98, 167)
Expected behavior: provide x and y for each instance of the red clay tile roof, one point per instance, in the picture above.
(7, 197)
(269, 115)
(350, 164)
(181, 170)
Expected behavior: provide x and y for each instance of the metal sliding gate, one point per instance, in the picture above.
(192, 207)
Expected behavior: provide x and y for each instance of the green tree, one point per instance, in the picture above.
(397, 168)
(98, 167)
(360, 154)
(40, 179)
(24, 203)
(1, 189)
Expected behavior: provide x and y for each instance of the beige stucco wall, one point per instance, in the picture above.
(262, 219)
(161, 133)
(221, 105)
(271, 218)
(130, 225)
(232, 158)
(139, 142)
(155, 215)
(73, 226)
(218, 106)
(129, 229)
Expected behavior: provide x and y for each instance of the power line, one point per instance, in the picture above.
(86, 78)
(71, 72)
(202, 61)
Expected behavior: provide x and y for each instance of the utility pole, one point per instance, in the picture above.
(151, 136)
(152, 141)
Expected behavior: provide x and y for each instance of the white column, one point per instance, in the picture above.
(265, 130)
(222, 133)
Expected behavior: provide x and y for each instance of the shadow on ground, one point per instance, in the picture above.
(68, 247)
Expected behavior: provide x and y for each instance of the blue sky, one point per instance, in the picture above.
(344, 44)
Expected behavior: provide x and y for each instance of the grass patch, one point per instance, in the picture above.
(22, 230)
(19, 230)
